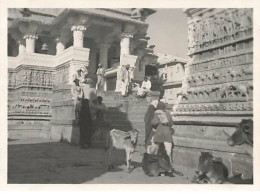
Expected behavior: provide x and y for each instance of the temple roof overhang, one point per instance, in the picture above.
(54, 16)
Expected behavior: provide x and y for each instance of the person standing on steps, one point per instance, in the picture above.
(125, 80)
(85, 119)
(100, 77)
(77, 95)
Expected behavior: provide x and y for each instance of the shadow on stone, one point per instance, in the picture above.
(55, 163)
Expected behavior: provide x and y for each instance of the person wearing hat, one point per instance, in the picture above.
(77, 95)
(125, 80)
(100, 77)
(80, 75)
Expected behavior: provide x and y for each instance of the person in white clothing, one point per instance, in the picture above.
(100, 77)
(125, 80)
(145, 88)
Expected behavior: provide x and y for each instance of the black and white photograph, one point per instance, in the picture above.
(125, 95)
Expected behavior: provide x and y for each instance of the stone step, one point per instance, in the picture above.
(137, 113)
(28, 133)
(25, 127)
(132, 122)
(124, 115)
(127, 127)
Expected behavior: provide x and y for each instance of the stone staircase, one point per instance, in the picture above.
(125, 113)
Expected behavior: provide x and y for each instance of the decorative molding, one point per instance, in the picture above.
(31, 36)
(78, 28)
(127, 35)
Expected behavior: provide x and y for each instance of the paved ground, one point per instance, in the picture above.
(38, 161)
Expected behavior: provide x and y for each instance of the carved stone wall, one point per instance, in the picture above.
(30, 91)
(217, 91)
(39, 92)
(220, 70)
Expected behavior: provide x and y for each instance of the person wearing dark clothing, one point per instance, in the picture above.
(148, 118)
(85, 124)
(87, 108)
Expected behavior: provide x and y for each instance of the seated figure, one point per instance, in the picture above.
(145, 88)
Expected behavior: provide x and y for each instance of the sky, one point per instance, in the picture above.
(168, 31)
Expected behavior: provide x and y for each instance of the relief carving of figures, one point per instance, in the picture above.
(232, 23)
(42, 78)
(28, 76)
(246, 18)
(191, 35)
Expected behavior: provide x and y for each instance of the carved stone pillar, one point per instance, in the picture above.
(78, 35)
(103, 51)
(21, 46)
(125, 44)
(30, 42)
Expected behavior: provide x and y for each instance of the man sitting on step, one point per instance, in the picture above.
(144, 89)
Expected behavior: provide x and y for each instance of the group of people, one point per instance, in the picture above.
(88, 106)
(127, 84)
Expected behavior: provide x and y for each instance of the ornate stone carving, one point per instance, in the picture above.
(221, 28)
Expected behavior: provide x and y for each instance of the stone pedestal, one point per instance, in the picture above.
(60, 45)
(218, 89)
(63, 125)
(21, 46)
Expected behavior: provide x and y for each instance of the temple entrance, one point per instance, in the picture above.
(151, 70)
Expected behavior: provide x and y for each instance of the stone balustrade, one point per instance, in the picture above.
(32, 77)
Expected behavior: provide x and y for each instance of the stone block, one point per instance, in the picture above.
(65, 133)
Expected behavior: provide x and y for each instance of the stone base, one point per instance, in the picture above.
(64, 131)
(236, 163)
(25, 128)
(191, 140)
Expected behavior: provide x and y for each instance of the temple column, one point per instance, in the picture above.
(21, 46)
(124, 49)
(30, 42)
(103, 54)
(78, 35)
(125, 44)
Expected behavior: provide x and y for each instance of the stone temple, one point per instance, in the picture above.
(46, 47)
